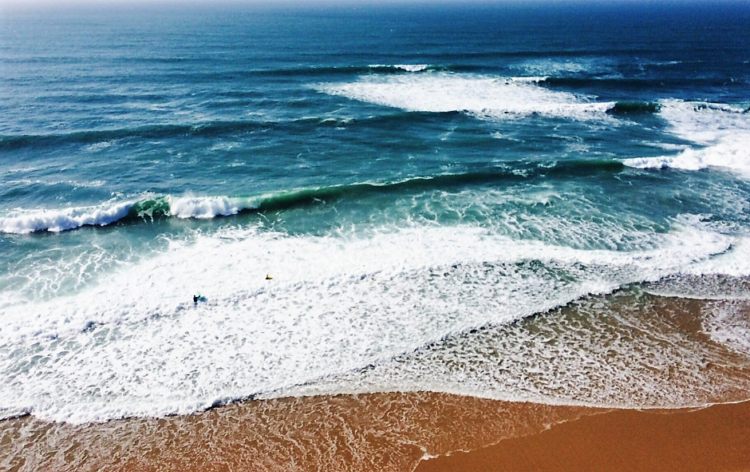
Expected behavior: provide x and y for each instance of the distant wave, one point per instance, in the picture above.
(478, 95)
(404, 67)
(208, 129)
(151, 208)
(412, 92)
(637, 85)
(355, 69)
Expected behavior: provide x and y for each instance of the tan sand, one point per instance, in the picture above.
(715, 439)
(388, 432)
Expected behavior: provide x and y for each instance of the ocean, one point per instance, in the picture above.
(544, 201)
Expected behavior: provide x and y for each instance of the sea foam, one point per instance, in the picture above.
(721, 134)
(481, 96)
(729, 152)
(209, 207)
(136, 344)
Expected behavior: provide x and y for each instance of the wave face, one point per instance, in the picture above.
(448, 199)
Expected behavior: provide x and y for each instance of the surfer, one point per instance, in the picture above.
(268, 277)
(195, 298)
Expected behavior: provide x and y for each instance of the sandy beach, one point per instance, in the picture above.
(390, 432)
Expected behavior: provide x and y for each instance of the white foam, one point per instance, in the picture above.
(22, 222)
(721, 133)
(72, 183)
(617, 351)
(404, 67)
(412, 67)
(735, 262)
(209, 207)
(96, 147)
(730, 152)
(136, 345)
(702, 122)
(481, 96)
(728, 323)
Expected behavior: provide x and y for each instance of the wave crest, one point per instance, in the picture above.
(205, 207)
(62, 220)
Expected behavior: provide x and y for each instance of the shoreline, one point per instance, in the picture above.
(400, 432)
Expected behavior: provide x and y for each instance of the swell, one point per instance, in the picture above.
(619, 84)
(216, 128)
(203, 130)
(154, 208)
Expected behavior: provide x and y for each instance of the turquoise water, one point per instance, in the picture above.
(404, 174)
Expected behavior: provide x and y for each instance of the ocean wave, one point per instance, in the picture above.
(619, 85)
(731, 152)
(98, 140)
(557, 67)
(151, 207)
(208, 129)
(481, 96)
(721, 133)
(403, 67)
(209, 207)
(704, 122)
(318, 71)
(65, 219)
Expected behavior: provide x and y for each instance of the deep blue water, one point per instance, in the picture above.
(404, 173)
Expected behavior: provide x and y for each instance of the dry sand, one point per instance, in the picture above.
(715, 439)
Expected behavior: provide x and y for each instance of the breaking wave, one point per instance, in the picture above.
(720, 133)
(152, 207)
(480, 96)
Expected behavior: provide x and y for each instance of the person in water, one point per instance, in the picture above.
(195, 298)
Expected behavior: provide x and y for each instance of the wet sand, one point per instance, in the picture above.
(389, 432)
